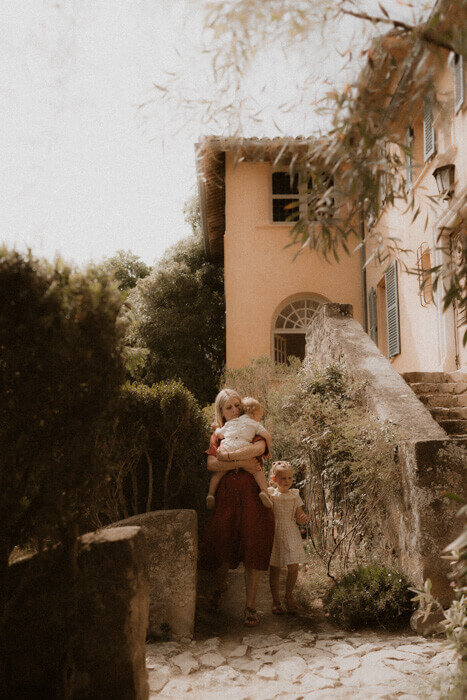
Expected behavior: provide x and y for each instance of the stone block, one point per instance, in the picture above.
(172, 542)
(427, 625)
(99, 624)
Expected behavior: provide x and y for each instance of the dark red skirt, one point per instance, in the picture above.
(241, 528)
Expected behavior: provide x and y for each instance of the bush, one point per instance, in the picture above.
(60, 374)
(370, 596)
(157, 446)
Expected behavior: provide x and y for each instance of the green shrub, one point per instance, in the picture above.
(60, 375)
(157, 446)
(370, 596)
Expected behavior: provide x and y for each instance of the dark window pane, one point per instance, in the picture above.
(283, 184)
(282, 212)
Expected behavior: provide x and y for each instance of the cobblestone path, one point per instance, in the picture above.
(294, 657)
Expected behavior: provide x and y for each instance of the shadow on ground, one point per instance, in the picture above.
(228, 620)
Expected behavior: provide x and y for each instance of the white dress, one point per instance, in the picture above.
(239, 432)
(287, 547)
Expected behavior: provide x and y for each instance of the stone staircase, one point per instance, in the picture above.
(445, 396)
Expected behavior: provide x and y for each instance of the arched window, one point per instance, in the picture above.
(291, 326)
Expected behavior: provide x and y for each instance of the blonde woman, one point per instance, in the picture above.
(241, 528)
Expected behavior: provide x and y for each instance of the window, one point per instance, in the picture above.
(409, 140)
(425, 284)
(285, 197)
(429, 145)
(291, 326)
(392, 310)
(372, 316)
(458, 67)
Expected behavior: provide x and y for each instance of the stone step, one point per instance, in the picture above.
(446, 400)
(459, 413)
(444, 388)
(458, 376)
(454, 427)
(426, 377)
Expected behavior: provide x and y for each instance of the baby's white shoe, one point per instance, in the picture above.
(265, 500)
(210, 501)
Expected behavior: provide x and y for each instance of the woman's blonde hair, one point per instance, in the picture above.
(221, 399)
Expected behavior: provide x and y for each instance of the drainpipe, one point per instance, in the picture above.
(363, 271)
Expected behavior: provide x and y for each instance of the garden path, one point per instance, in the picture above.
(293, 657)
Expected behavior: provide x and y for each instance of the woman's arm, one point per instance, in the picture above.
(214, 465)
(255, 450)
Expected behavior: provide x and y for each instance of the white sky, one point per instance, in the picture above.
(84, 170)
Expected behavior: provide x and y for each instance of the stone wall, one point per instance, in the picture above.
(172, 539)
(99, 623)
(336, 337)
(419, 521)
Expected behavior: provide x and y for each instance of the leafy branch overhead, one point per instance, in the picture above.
(358, 166)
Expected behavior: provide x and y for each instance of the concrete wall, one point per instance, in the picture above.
(427, 334)
(419, 521)
(172, 543)
(260, 273)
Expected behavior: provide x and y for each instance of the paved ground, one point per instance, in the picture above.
(292, 657)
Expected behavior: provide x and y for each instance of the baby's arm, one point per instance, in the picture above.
(262, 432)
(301, 517)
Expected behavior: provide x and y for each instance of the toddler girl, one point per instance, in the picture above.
(287, 549)
(236, 434)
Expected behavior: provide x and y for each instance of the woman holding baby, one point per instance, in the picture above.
(241, 528)
(251, 523)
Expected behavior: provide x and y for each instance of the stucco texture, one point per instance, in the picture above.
(261, 275)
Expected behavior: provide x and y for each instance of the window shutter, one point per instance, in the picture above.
(428, 132)
(458, 82)
(408, 158)
(392, 310)
(372, 315)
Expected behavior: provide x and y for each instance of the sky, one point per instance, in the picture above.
(92, 159)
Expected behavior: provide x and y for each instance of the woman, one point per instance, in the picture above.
(241, 528)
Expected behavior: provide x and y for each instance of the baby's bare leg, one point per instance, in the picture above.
(214, 482)
(263, 485)
(261, 480)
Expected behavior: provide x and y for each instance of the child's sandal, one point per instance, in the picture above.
(277, 609)
(291, 607)
(210, 501)
(250, 618)
(265, 500)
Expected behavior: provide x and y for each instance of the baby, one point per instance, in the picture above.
(236, 434)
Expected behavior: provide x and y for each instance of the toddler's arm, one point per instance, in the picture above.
(301, 517)
(262, 432)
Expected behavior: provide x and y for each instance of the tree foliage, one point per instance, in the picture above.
(181, 319)
(127, 268)
(157, 447)
(60, 374)
(362, 154)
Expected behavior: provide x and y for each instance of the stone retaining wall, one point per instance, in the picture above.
(172, 539)
(419, 521)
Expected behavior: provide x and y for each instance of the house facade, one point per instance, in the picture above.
(405, 311)
(272, 293)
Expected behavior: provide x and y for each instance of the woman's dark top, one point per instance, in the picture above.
(241, 528)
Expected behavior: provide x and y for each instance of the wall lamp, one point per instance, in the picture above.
(444, 177)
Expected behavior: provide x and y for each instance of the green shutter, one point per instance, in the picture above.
(428, 132)
(392, 310)
(372, 315)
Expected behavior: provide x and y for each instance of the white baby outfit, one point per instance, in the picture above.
(239, 432)
(287, 547)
